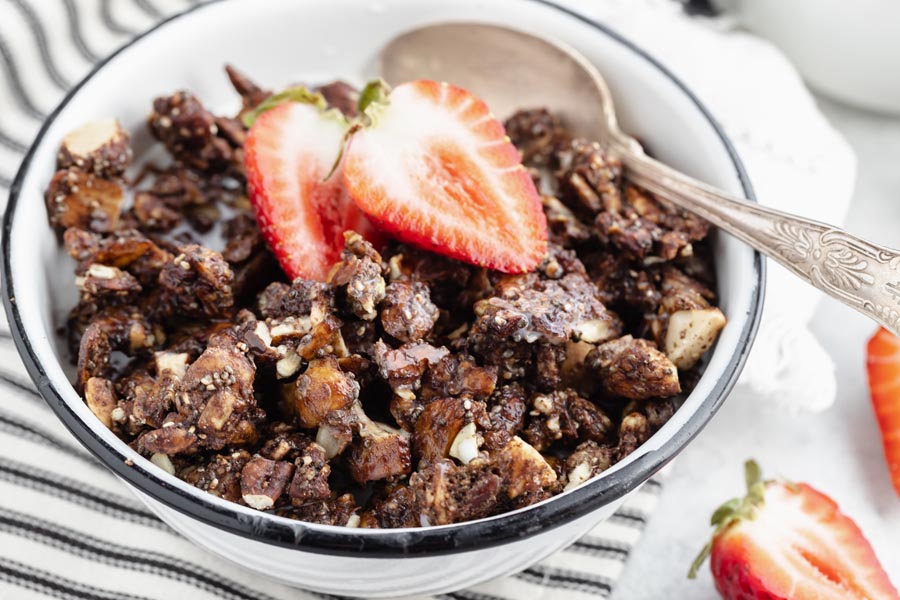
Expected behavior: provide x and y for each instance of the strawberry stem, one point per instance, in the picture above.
(752, 474)
(292, 94)
(726, 511)
(356, 126)
(734, 510)
(374, 94)
(701, 558)
(372, 98)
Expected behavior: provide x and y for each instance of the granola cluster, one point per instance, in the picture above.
(408, 389)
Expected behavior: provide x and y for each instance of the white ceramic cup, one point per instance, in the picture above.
(846, 49)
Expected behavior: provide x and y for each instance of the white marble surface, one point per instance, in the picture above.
(838, 451)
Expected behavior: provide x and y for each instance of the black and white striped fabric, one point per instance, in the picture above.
(68, 528)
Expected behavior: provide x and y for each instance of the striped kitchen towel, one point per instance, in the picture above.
(68, 528)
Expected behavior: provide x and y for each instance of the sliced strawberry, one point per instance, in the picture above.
(790, 541)
(436, 169)
(289, 151)
(883, 366)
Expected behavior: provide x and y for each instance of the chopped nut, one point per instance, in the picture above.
(167, 440)
(78, 199)
(333, 439)
(320, 390)
(687, 325)
(691, 333)
(287, 329)
(524, 471)
(172, 363)
(101, 148)
(101, 399)
(578, 475)
(465, 445)
(437, 427)
(263, 481)
(107, 283)
(381, 452)
(218, 410)
(258, 340)
(258, 501)
(588, 459)
(353, 521)
(595, 330)
(163, 462)
(288, 365)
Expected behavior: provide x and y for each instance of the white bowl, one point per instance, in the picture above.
(283, 41)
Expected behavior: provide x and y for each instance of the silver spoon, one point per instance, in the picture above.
(475, 56)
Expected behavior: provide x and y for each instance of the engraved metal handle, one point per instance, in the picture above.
(857, 272)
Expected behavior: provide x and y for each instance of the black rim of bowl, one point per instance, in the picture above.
(427, 541)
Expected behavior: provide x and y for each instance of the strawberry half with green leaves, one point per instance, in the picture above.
(290, 149)
(883, 367)
(433, 167)
(789, 541)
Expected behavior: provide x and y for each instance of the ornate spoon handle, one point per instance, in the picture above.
(857, 272)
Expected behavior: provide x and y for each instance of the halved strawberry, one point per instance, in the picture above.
(289, 151)
(435, 168)
(883, 366)
(790, 541)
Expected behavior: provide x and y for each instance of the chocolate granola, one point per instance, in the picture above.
(407, 390)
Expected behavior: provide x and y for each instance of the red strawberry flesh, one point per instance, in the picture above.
(799, 546)
(437, 170)
(289, 150)
(792, 542)
(883, 366)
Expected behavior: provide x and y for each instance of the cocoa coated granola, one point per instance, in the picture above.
(407, 390)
